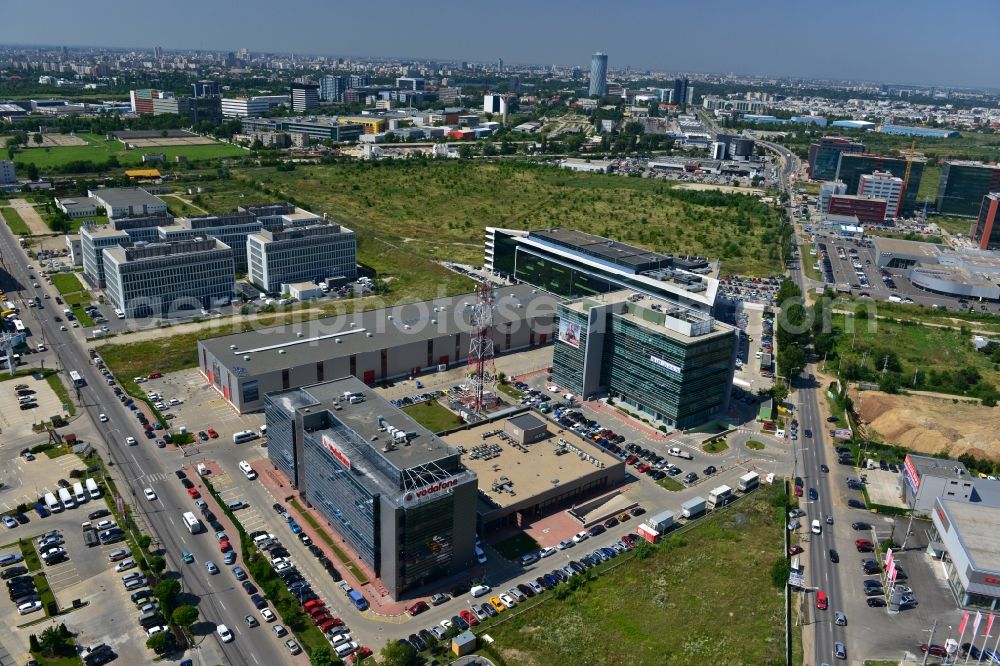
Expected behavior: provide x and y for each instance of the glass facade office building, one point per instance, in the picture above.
(854, 165)
(397, 494)
(673, 365)
(963, 186)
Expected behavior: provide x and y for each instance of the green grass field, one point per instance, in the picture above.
(437, 210)
(433, 416)
(14, 221)
(703, 597)
(99, 150)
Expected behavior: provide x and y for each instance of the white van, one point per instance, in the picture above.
(66, 498)
(52, 503)
(247, 470)
(79, 494)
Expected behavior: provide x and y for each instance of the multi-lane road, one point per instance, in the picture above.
(137, 467)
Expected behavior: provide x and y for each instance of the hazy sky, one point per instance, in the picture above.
(906, 41)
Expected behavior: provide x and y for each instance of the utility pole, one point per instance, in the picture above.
(930, 641)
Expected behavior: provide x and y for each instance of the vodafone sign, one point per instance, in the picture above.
(429, 492)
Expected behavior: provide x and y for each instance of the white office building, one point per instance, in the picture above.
(299, 253)
(251, 107)
(883, 185)
(7, 174)
(828, 189)
(157, 279)
(128, 202)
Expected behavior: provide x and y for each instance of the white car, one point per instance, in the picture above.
(268, 615)
(150, 495)
(224, 633)
(29, 607)
(131, 441)
(103, 418)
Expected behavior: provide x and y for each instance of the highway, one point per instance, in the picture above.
(141, 466)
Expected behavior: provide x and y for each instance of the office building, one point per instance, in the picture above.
(854, 165)
(867, 210)
(828, 189)
(572, 264)
(7, 174)
(963, 185)
(157, 279)
(986, 233)
(374, 345)
(305, 97)
(680, 95)
(664, 362)
(824, 156)
(127, 202)
(495, 104)
(252, 107)
(332, 88)
(394, 492)
(536, 472)
(965, 539)
(923, 132)
(314, 250)
(206, 89)
(598, 75)
(883, 185)
(410, 83)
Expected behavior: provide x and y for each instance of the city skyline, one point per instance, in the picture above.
(938, 49)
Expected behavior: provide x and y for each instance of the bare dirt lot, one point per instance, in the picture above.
(932, 425)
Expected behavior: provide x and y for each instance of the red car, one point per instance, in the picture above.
(417, 608)
(470, 619)
(212, 433)
(821, 601)
(193, 492)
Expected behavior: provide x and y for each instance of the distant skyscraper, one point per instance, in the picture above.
(598, 75)
(681, 91)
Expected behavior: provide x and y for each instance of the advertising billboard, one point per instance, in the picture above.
(569, 332)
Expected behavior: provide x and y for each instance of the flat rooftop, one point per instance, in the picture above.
(613, 251)
(422, 447)
(978, 528)
(528, 472)
(372, 330)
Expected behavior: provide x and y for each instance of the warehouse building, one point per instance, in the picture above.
(527, 471)
(374, 346)
(127, 202)
(155, 279)
(393, 491)
(308, 248)
(573, 264)
(665, 362)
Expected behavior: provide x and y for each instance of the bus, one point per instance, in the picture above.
(77, 380)
(192, 523)
(19, 326)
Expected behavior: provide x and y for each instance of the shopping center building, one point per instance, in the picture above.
(665, 362)
(395, 492)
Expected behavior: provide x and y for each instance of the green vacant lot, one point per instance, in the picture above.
(100, 149)
(704, 597)
(433, 416)
(438, 209)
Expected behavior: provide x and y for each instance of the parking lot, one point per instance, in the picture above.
(16, 422)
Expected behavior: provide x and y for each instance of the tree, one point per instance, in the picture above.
(398, 654)
(184, 616)
(322, 655)
(161, 642)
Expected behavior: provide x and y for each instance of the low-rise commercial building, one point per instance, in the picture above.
(313, 251)
(665, 362)
(127, 202)
(375, 345)
(393, 491)
(157, 279)
(527, 470)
